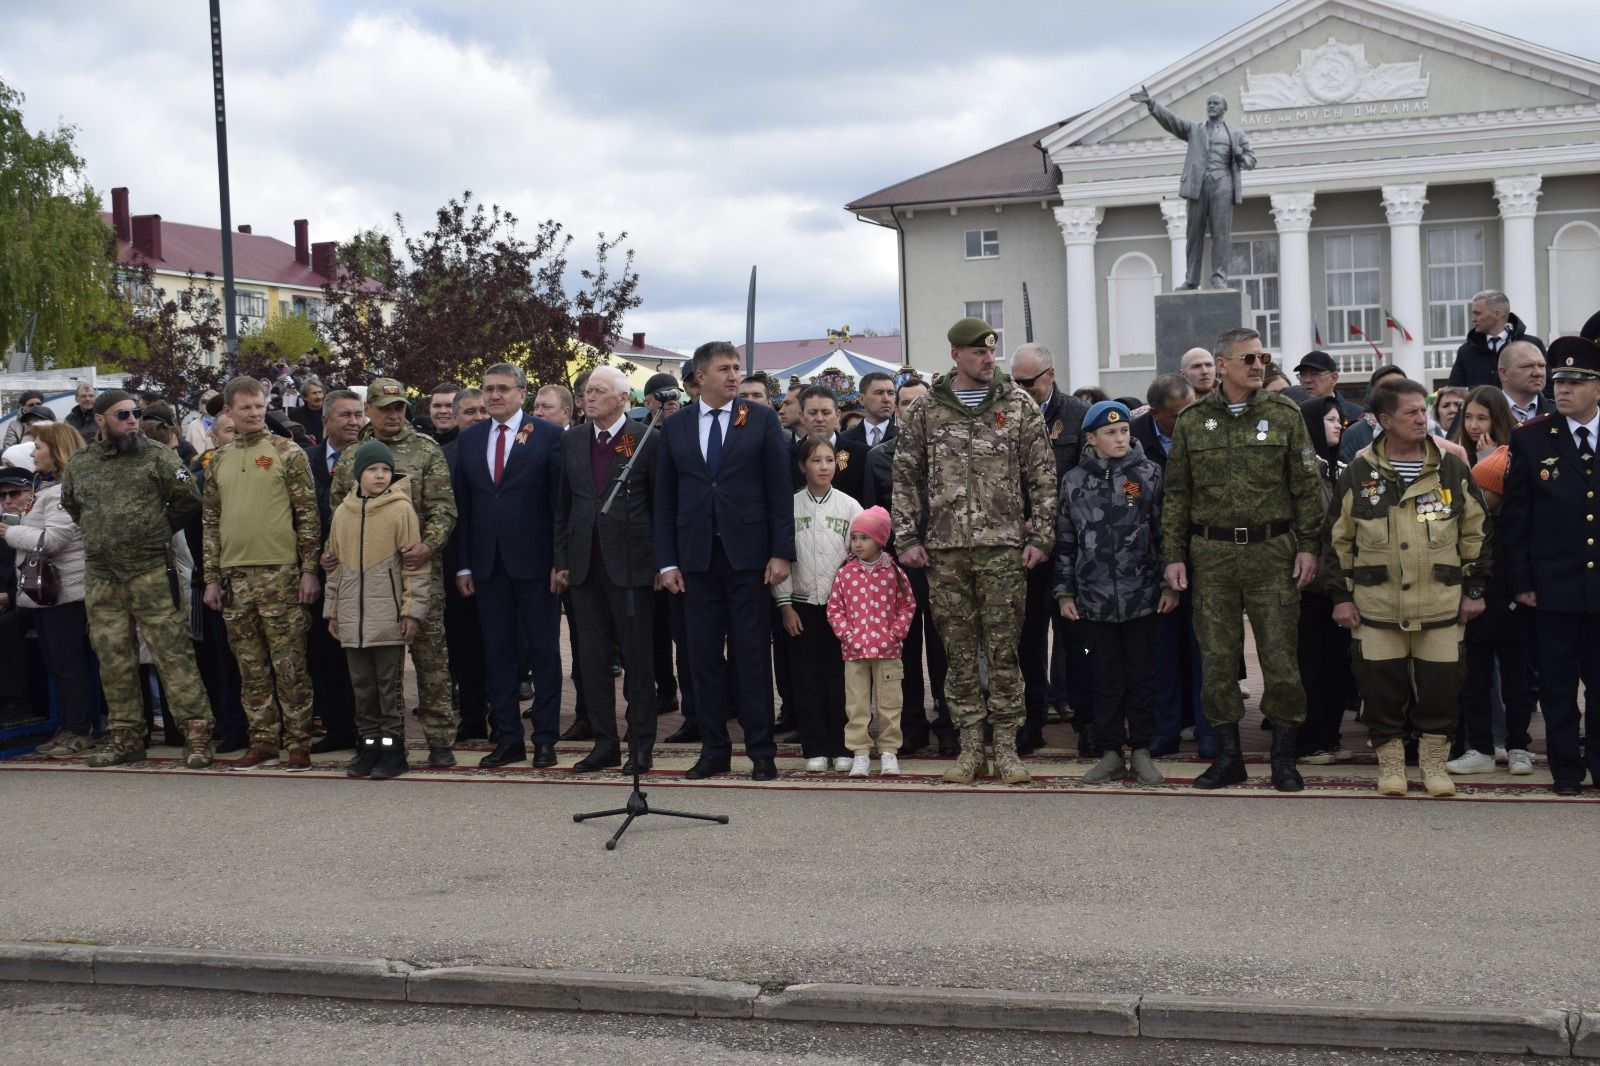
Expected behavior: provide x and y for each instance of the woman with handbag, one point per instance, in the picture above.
(50, 566)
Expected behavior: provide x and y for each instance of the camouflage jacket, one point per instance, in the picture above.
(985, 474)
(1256, 468)
(1404, 554)
(273, 519)
(128, 506)
(422, 461)
(1108, 532)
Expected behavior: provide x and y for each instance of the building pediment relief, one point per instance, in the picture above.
(1333, 73)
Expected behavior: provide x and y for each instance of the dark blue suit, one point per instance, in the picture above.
(505, 535)
(720, 529)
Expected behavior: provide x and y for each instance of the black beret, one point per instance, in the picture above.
(109, 399)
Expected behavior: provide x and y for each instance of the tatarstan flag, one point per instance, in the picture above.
(1394, 323)
(1355, 331)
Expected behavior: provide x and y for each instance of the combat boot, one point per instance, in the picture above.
(1007, 766)
(1285, 778)
(197, 751)
(116, 748)
(366, 758)
(970, 761)
(1432, 751)
(1229, 767)
(1392, 768)
(392, 760)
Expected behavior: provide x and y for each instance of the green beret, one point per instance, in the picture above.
(972, 333)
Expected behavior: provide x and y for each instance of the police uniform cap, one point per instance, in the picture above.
(109, 399)
(14, 477)
(1105, 413)
(386, 392)
(1574, 359)
(972, 333)
(1591, 328)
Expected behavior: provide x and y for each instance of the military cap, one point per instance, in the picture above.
(37, 413)
(1591, 328)
(1105, 413)
(386, 392)
(109, 399)
(1574, 359)
(972, 333)
(14, 477)
(1321, 362)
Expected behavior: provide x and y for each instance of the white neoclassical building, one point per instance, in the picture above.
(1405, 162)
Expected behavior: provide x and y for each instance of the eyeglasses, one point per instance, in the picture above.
(1250, 358)
(6, 494)
(1027, 383)
(126, 413)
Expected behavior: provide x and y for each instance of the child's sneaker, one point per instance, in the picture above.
(843, 764)
(891, 765)
(818, 765)
(860, 766)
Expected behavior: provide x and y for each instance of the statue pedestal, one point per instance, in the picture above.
(1193, 318)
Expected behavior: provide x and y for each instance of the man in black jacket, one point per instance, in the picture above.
(1493, 327)
(331, 697)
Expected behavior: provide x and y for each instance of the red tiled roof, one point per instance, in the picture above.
(626, 349)
(198, 249)
(1015, 169)
(776, 355)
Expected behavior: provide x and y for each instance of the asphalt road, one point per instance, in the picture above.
(58, 1025)
(1476, 904)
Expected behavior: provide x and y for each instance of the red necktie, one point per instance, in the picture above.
(500, 453)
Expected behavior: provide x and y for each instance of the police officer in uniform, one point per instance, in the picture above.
(1242, 516)
(1551, 521)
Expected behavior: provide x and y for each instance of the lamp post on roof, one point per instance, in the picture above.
(230, 320)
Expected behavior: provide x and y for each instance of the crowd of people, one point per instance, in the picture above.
(956, 560)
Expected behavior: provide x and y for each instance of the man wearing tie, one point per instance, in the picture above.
(1549, 519)
(330, 675)
(724, 530)
(877, 405)
(1493, 328)
(1521, 369)
(510, 466)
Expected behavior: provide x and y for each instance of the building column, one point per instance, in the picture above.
(1403, 204)
(1292, 213)
(1519, 202)
(1079, 226)
(1175, 213)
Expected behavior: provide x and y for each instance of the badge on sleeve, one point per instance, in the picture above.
(182, 473)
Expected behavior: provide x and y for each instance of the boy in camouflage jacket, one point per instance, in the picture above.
(1109, 577)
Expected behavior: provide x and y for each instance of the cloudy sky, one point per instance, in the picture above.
(717, 134)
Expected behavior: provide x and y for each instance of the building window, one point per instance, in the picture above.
(992, 312)
(1351, 266)
(1254, 268)
(251, 309)
(1455, 273)
(1131, 294)
(983, 244)
(309, 307)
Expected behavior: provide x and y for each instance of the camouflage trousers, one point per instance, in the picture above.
(267, 627)
(435, 711)
(120, 612)
(977, 596)
(1229, 582)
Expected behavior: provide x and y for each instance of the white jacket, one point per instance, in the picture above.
(63, 543)
(821, 545)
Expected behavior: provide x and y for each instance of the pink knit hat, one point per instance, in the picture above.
(874, 522)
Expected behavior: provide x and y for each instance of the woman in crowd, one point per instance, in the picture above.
(1485, 423)
(822, 517)
(1324, 648)
(63, 626)
(1446, 406)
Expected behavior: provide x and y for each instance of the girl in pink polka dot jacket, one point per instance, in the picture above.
(870, 609)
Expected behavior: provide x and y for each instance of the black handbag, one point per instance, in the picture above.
(37, 578)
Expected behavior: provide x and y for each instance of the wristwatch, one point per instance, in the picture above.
(1474, 594)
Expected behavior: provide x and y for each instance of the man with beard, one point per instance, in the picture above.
(128, 496)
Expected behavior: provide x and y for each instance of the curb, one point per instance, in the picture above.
(1552, 1033)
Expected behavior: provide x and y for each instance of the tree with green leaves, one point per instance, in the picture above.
(56, 255)
(284, 339)
(164, 343)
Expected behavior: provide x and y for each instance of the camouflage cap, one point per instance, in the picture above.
(1103, 414)
(386, 392)
(972, 333)
(1574, 359)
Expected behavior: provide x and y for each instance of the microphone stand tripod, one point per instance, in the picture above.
(638, 803)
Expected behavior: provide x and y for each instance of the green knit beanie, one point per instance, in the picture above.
(374, 451)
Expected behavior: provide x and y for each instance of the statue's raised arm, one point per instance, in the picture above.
(1216, 157)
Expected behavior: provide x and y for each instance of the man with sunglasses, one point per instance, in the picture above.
(128, 495)
(1242, 518)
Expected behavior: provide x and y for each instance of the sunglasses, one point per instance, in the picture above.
(1249, 358)
(125, 414)
(6, 494)
(1027, 383)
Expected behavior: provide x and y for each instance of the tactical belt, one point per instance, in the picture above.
(1242, 534)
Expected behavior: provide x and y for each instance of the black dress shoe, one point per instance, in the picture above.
(580, 729)
(503, 755)
(1564, 788)
(666, 705)
(763, 770)
(688, 733)
(544, 756)
(333, 743)
(949, 745)
(597, 759)
(704, 768)
(637, 764)
(784, 724)
(471, 731)
(912, 745)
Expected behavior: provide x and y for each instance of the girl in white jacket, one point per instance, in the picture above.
(822, 517)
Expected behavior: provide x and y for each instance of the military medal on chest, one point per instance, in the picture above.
(1211, 423)
(1371, 490)
(1551, 470)
(1261, 430)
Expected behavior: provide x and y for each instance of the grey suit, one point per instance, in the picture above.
(1212, 192)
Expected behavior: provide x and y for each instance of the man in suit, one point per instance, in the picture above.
(330, 677)
(877, 407)
(1521, 369)
(607, 561)
(1549, 519)
(463, 635)
(510, 468)
(1494, 327)
(724, 533)
(1210, 181)
(819, 417)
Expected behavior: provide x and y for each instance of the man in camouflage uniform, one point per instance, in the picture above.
(422, 462)
(1244, 508)
(262, 534)
(974, 452)
(128, 494)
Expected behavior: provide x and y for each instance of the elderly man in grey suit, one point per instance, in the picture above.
(1210, 181)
